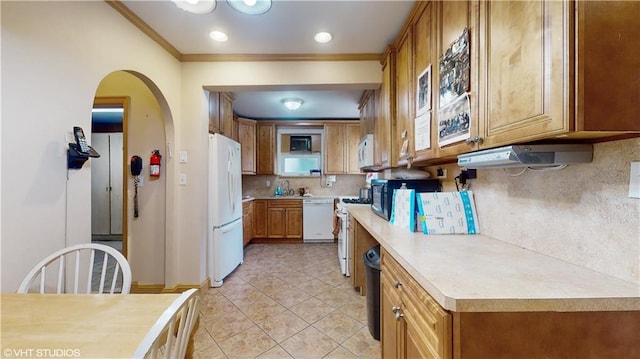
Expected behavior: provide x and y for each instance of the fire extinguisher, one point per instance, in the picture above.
(154, 164)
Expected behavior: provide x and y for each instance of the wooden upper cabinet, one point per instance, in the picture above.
(405, 112)
(247, 139)
(368, 104)
(334, 154)
(341, 148)
(452, 17)
(384, 125)
(351, 147)
(214, 112)
(221, 114)
(266, 146)
(524, 71)
(547, 78)
(424, 44)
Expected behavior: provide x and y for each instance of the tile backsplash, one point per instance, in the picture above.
(345, 185)
(581, 214)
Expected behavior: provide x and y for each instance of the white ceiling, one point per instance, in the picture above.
(358, 27)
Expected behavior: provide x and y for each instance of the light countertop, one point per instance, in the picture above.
(475, 273)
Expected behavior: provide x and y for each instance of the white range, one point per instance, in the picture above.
(344, 242)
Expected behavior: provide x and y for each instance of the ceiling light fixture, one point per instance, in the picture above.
(323, 37)
(218, 36)
(250, 7)
(292, 103)
(196, 6)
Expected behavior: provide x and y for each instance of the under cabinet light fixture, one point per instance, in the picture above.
(292, 103)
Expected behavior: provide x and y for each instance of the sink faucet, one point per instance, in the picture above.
(285, 190)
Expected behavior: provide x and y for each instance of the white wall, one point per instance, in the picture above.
(54, 55)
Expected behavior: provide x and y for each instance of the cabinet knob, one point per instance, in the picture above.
(399, 316)
(397, 284)
(395, 309)
(471, 141)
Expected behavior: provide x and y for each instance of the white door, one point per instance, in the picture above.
(100, 213)
(115, 159)
(106, 184)
(225, 181)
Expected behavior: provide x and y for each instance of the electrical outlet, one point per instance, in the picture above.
(182, 179)
(441, 173)
(267, 183)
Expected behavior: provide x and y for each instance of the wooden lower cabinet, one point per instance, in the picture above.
(247, 222)
(260, 218)
(362, 241)
(413, 325)
(278, 220)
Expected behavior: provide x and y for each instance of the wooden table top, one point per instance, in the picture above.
(84, 325)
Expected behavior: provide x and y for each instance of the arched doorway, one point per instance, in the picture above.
(147, 126)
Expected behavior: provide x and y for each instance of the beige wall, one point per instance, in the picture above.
(145, 131)
(345, 185)
(581, 214)
(52, 64)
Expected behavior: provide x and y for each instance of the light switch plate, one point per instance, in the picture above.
(183, 156)
(634, 180)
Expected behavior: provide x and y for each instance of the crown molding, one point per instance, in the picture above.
(149, 31)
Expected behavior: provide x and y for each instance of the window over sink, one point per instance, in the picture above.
(299, 151)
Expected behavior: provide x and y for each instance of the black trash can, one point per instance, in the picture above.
(372, 278)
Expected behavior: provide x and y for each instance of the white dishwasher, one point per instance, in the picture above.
(317, 220)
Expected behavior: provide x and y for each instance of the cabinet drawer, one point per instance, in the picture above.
(285, 203)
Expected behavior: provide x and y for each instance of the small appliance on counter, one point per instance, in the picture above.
(382, 192)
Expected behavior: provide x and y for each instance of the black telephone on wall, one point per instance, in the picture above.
(81, 140)
(80, 151)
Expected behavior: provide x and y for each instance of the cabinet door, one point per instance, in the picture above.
(368, 112)
(525, 71)
(425, 55)
(404, 100)
(293, 221)
(452, 18)
(351, 148)
(247, 222)
(214, 112)
(276, 222)
(334, 143)
(391, 329)
(247, 139)
(385, 116)
(226, 115)
(265, 149)
(260, 229)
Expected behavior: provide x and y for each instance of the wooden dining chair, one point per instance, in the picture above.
(169, 336)
(103, 269)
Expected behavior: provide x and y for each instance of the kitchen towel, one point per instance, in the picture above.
(448, 213)
(403, 211)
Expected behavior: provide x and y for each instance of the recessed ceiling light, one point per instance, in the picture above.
(323, 37)
(196, 6)
(218, 36)
(250, 7)
(292, 103)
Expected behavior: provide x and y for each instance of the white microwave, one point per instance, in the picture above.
(365, 151)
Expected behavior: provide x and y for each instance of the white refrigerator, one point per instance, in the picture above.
(224, 242)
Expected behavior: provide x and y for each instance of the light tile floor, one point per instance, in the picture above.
(285, 301)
